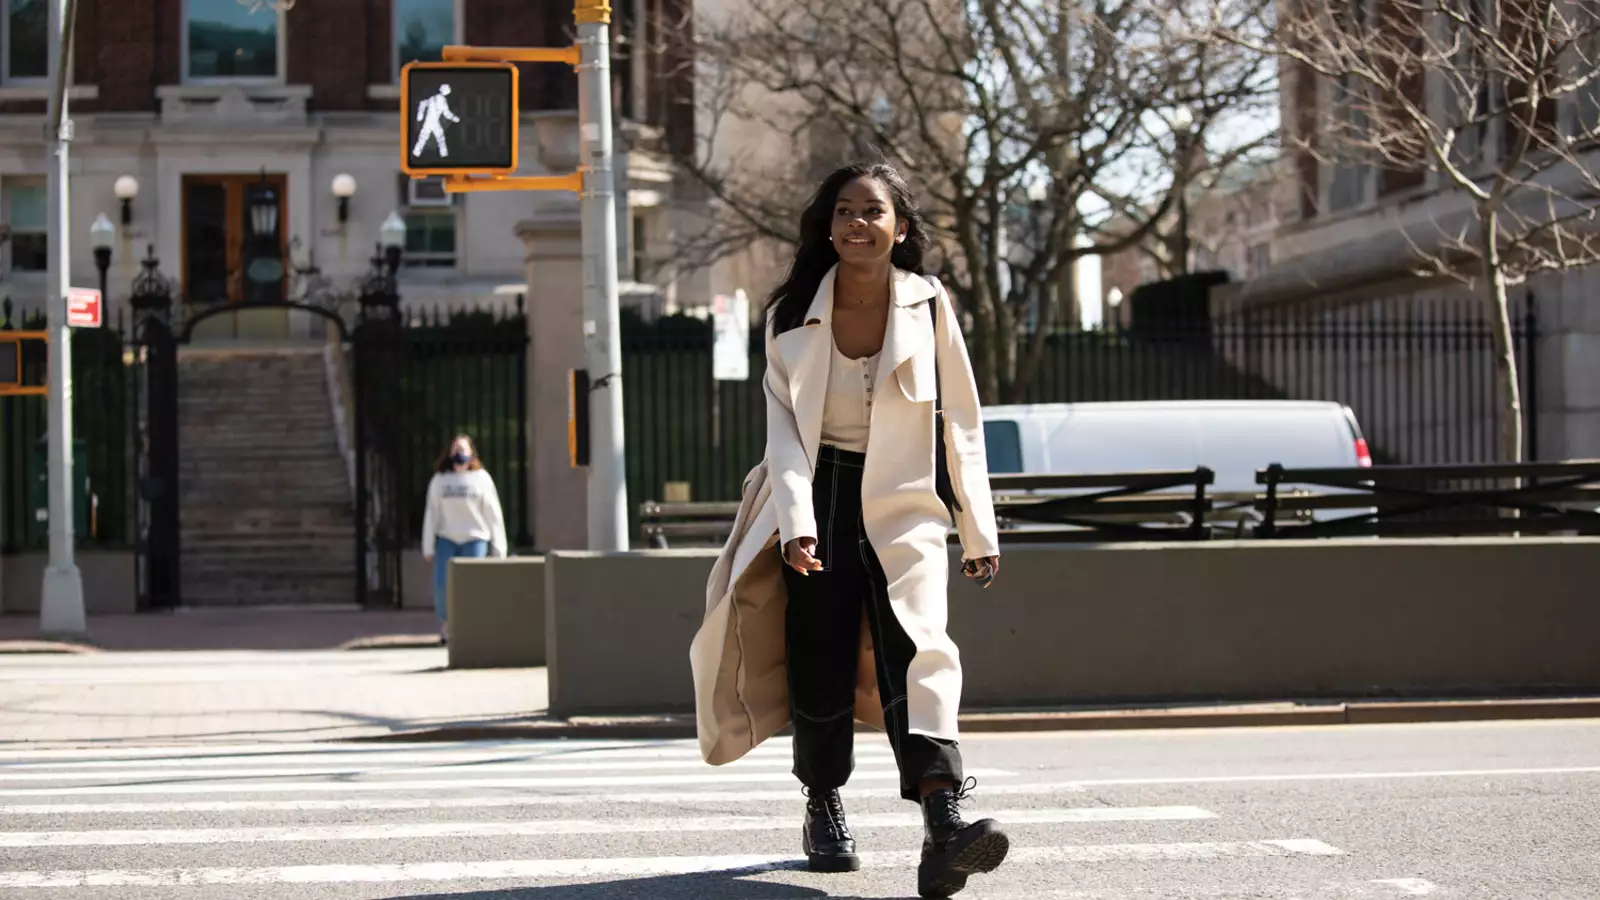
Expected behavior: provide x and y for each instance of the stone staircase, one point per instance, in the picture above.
(266, 508)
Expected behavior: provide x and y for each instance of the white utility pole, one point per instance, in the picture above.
(61, 602)
(608, 485)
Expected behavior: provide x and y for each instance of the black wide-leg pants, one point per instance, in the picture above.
(823, 627)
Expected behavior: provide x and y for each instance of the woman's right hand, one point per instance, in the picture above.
(797, 553)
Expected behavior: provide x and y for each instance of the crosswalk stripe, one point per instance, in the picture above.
(496, 801)
(201, 751)
(623, 866)
(1335, 776)
(340, 757)
(549, 782)
(560, 827)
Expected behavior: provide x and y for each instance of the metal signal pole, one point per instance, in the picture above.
(61, 601)
(608, 486)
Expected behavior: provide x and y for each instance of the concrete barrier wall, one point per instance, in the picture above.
(618, 627)
(496, 613)
(1133, 622)
(108, 586)
(1271, 620)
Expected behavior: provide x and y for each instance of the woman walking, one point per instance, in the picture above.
(828, 603)
(462, 516)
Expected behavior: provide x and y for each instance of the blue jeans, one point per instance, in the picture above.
(445, 550)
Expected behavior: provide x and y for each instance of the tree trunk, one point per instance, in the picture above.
(1505, 358)
(1005, 341)
(981, 340)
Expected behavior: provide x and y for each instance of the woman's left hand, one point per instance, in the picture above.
(982, 570)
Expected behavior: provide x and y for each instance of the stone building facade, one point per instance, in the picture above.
(192, 102)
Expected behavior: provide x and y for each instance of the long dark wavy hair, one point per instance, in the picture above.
(789, 301)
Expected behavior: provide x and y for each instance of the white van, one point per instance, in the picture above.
(1233, 438)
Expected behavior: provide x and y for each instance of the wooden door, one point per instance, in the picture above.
(217, 230)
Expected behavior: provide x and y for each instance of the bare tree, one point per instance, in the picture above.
(1033, 128)
(1495, 100)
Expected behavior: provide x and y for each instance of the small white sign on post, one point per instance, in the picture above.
(730, 347)
(84, 309)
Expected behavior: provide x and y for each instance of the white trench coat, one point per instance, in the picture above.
(738, 655)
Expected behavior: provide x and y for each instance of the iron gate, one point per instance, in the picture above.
(161, 326)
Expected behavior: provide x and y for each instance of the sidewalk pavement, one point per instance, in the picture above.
(295, 675)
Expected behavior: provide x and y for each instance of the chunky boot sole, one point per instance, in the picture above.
(833, 862)
(980, 847)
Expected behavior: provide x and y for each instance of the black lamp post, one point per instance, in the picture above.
(102, 234)
(392, 238)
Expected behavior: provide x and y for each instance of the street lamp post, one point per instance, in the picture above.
(1182, 133)
(61, 607)
(102, 234)
(392, 237)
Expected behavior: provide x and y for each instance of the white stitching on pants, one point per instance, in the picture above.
(810, 718)
(833, 508)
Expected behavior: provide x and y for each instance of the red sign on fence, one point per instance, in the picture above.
(83, 308)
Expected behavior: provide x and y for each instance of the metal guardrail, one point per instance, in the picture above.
(1117, 506)
(703, 522)
(1383, 501)
(1028, 508)
(1453, 500)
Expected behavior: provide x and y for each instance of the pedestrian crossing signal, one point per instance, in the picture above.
(461, 118)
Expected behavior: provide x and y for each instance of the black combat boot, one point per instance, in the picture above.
(952, 849)
(826, 838)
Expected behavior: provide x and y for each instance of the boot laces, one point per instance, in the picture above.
(947, 804)
(831, 805)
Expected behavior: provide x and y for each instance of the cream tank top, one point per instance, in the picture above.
(847, 409)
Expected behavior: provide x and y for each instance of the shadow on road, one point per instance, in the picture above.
(727, 885)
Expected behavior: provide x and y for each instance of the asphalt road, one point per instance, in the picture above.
(1508, 811)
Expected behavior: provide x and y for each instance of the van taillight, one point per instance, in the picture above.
(1363, 455)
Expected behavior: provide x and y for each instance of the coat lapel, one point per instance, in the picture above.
(909, 330)
(807, 353)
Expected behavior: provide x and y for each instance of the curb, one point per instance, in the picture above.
(679, 727)
(35, 646)
(43, 646)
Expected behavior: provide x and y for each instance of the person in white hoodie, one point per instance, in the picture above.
(462, 516)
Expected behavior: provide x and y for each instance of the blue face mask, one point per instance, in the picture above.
(461, 459)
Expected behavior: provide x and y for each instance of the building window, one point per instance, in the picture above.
(30, 251)
(430, 238)
(27, 52)
(227, 40)
(422, 29)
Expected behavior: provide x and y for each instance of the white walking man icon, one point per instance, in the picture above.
(429, 113)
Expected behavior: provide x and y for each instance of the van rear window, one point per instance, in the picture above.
(1003, 442)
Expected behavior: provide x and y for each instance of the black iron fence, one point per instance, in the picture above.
(1419, 376)
(690, 437)
(457, 371)
(464, 371)
(100, 409)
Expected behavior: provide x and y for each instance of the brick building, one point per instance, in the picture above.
(194, 101)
